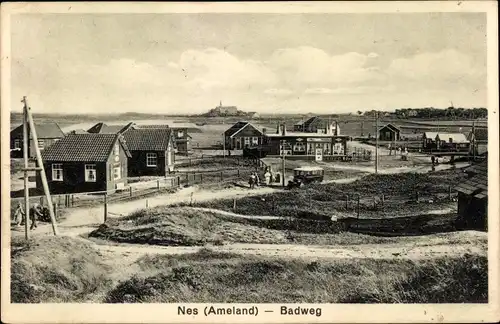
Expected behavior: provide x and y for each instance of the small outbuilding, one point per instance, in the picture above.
(85, 163)
(478, 139)
(389, 132)
(473, 198)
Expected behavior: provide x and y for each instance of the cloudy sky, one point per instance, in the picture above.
(187, 63)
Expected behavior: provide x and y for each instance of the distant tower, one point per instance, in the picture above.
(220, 103)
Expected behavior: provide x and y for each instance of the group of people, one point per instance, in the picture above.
(268, 178)
(20, 216)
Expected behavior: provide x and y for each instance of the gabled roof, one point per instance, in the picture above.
(430, 135)
(480, 134)
(456, 137)
(477, 184)
(43, 130)
(87, 147)
(235, 128)
(77, 131)
(238, 127)
(148, 139)
(390, 126)
(102, 128)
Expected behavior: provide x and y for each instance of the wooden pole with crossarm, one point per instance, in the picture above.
(40, 166)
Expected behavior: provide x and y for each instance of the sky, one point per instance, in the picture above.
(282, 63)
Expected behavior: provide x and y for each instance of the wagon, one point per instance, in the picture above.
(305, 175)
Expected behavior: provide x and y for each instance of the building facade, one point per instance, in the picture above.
(389, 132)
(305, 144)
(242, 135)
(85, 163)
(317, 124)
(47, 134)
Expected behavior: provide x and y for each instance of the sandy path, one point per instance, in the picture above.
(294, 251)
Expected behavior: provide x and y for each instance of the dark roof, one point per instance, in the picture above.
(147, 139)
(77, 131)
(480, 134)
(390, 126)
(83, 148)
(477, 184)
(236, 127)
(102, 128)
(45, 130)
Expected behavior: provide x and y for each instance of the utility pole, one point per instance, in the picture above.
(283, 161)
(25, 158)
(40, 167)
(473, 141)
(376, 142)
(223, 145)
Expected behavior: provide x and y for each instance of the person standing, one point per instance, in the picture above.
(251, 181)
(35, 211)
(267, 176)
(19, 215)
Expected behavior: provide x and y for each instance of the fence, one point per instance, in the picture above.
(138, 189)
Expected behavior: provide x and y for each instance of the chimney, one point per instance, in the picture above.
(264, 131)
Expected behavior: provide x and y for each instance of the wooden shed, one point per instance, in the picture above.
(473, 198)
(389, 132)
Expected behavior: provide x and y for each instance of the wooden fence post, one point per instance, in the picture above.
(55, 210)
(72, 200)
(234, 204)
(158, 184)
(358, 207)
(201, 177)
(221, 176)
(130, 190)
(449, 192)
(178, 181)
(105, 206)
(346, 202)
(238, 173)
(383, 199)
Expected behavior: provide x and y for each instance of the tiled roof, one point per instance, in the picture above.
(45, 130)
(147, 139)
(87, 147)
(477, 184)
(165, 126)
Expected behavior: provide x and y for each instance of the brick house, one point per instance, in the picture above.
(85, 163)
(47, 134)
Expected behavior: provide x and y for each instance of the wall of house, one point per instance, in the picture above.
(248, 132)
(307, 146)
(73, 178)
(137, 165)
(121, 162)
(472, 212)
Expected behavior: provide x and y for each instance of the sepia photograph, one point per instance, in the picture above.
(249, 163)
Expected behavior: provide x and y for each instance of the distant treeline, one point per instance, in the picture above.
(433, 113)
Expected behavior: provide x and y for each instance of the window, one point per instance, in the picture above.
(299, 147)
(151, 159)
(247, 141)
(255, 140)
(90, 173)
(116, 149)
(180, 134)
(17, 144)
(41, 144)
(57, 172)
(117, 173)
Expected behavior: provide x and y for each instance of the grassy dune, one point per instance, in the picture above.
(208, 277)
